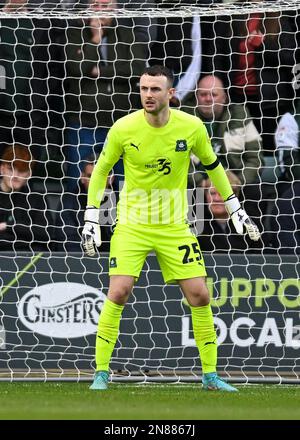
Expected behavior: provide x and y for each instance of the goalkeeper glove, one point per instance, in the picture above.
(240, 218)
(91, 234)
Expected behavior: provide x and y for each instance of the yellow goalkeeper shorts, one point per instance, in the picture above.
(176, 248)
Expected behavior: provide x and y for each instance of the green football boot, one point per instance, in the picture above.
(100, 381)
(212, 382)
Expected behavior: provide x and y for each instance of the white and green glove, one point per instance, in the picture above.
(91, 234)
(240, 218)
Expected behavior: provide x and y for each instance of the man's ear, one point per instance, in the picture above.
(171, 92)
(226, 97)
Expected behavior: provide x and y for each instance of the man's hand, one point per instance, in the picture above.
(95, 72)
(240, 218)
(254, 40)
(3, 226)
(91, 234)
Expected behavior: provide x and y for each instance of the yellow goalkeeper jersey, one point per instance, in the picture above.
(156, 163)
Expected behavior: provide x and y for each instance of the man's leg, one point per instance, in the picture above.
(120, 288)
(197, 295)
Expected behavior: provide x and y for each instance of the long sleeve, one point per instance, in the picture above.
(220, 180)
(204, 151)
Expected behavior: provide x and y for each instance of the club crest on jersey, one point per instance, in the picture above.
(181, 145)
(113, 262)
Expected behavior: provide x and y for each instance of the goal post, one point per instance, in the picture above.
(63, 82)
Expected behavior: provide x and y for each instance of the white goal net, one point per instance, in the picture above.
(69, 70)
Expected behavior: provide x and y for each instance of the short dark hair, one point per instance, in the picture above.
(159, 70)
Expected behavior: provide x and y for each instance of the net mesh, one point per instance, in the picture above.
(68, 71)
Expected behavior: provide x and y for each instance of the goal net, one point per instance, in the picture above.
(68, 71)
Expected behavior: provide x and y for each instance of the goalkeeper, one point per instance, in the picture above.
(156, 143)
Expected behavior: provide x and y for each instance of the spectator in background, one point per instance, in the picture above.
(233, 135)
(256, 53)
(177, 45)
(144, 27)
(30, 91)
(103, 66)
(284, 234)
(25, 224)
(282, 221)
(218, 233)
(69, 221)
(288, 146)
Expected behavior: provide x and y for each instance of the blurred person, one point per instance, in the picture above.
(288, 145)
(218, 233)
(184, 45)
(234, 137)
(287, 172)
(70, 213)
(177, 45)
(25, 222)
(256, 53)
(284, 234)
(30, 93)
(103, 65)
(143, 26)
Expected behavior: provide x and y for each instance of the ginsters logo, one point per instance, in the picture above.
(161, 165)
(61, 310)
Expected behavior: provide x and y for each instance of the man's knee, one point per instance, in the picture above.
(196, 292)
(120, 289)
(200, 297)
(119, 296)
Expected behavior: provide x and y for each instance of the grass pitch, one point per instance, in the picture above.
(71, 401)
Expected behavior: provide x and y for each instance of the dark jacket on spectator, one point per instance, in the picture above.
(216, 239)
(234, 139)
(284, 234)
(274, 60)
(28, 221)
(100, 101)
(31, 94)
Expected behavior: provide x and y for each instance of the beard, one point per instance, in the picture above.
(154, 110)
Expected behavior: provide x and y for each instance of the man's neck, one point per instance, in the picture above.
(160, 119)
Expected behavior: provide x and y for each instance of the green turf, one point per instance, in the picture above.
(32, 401)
